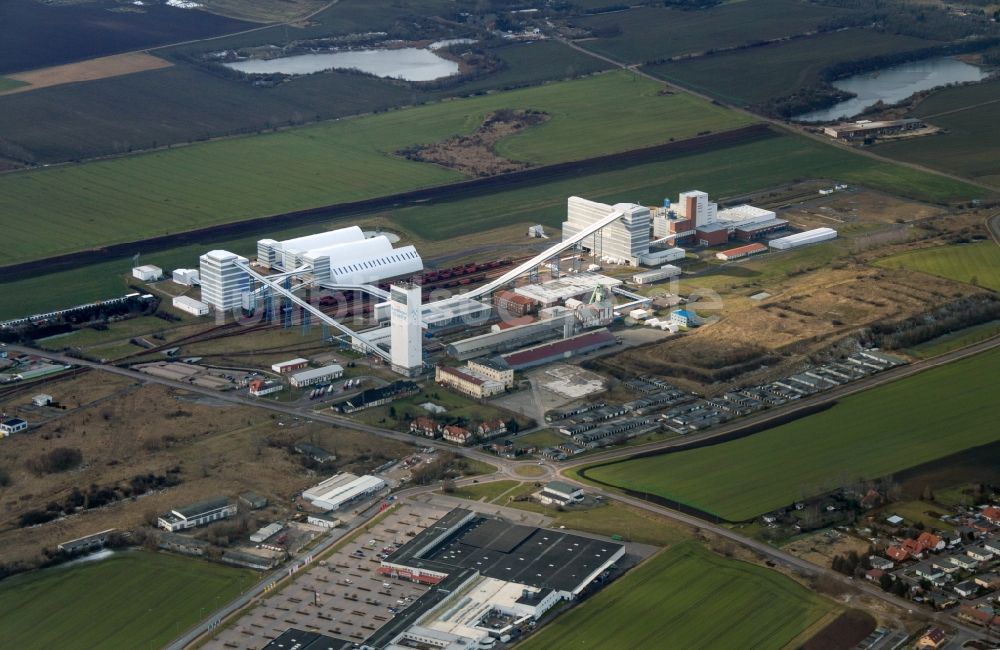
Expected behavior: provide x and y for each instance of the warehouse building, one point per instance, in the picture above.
(316, 375)
(712, 234)
(197, 514)
(660, 257)
(292, 365)
(373, 397)
(343, 489)
(741, 251)
(557, 350)
(626, 239)
(147, 273)
(540, 559)
(656, 275)
(803, 238)
(744, 215)
(190, 306)
(340, 257)
(560, 493)
(223, 283)
(512, 338)
(758, 229)
(868, 129)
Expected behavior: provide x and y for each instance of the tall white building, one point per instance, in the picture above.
(406, 343)
(695, 205)
(626, 239)
(222, 282)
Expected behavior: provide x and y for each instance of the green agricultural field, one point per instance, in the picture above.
(682, 595)
(186, 103)
(968, 146)
(132, 600)
(868, 435)
(757, 75)
(62, 209)
(654, 33)
(725, 172)
(977, 263)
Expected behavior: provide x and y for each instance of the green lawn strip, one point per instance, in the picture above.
(875, 433)
(955, 340)
(977, 263)
(681, 595)
(488, 491)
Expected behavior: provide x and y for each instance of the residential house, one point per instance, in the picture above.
(982, 614)
(875, 575)
(426, 427)
(979, 553)
(882, 563)
(458, 435)
(991, 514)
(931, 640)
(931, 542)
(989, 581)
(964, 562)
(992, 544)
(897, 553)
(966, 588)
(491, 429)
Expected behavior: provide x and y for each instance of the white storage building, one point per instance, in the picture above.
(147, 273)
(340, 257)
(187, 277)
(342, 489)
(316, 375)
(657, 258)
(190, 305)
(284, 367)
(803, 238)
(745, 215)
(662, 273)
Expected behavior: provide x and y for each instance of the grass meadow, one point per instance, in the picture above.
(688, 597)
(131, 600)
(652, 33)
(875, 433)
(977, 263)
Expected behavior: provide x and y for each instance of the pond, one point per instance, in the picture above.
(408, 63)
(894, 84)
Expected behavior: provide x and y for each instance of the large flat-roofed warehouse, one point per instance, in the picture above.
(868, 128)
(539, 558)
(342, 489)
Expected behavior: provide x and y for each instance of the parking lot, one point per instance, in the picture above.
(342, 595)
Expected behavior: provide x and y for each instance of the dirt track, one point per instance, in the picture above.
(451, 192)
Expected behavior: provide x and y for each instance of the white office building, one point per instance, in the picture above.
(626, 239)
(406, 344)
(222, 282)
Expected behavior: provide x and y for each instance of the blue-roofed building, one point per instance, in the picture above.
(685, 318)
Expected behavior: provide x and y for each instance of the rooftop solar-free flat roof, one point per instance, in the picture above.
(536, 557)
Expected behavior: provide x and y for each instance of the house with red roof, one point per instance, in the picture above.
(458, 435)
(931, 542)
